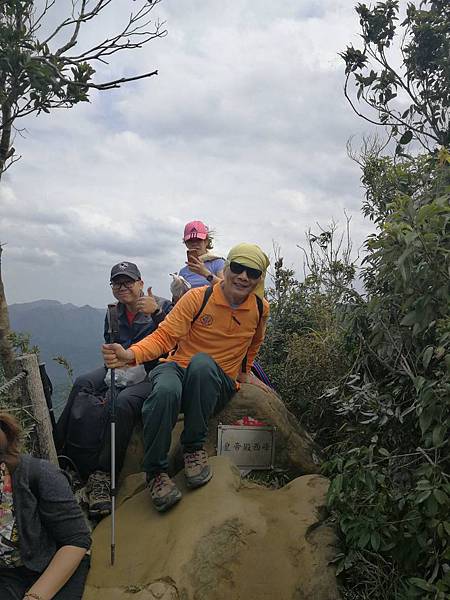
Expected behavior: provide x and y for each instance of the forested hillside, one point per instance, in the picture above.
(73, 332)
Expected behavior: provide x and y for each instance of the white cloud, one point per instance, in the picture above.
(244, 127)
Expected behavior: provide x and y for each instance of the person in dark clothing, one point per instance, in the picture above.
(139, 315)
(44, 538)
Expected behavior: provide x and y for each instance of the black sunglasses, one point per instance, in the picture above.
(116, 285)
(237, 269)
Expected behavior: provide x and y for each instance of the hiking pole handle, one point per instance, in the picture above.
(113, 323)
(113, 331)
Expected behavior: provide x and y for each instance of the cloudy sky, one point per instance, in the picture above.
(245, 128)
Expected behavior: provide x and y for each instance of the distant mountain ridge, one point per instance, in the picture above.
(26, 306)
(74, 332)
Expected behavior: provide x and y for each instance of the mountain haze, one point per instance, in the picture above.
(74, 332)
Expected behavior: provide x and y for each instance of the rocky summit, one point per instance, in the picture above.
(231, 539)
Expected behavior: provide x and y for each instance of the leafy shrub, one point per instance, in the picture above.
(391, 489)
(304, 348)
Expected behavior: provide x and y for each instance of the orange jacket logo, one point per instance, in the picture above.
(206, 320)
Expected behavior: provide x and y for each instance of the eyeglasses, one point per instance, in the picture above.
(237, 269)
(119, 284)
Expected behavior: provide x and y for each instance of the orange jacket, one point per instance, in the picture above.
(226, 334)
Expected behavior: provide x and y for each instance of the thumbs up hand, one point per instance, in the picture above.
(147, 304)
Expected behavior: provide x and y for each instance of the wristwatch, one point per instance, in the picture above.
(156, 313)
(210, 278)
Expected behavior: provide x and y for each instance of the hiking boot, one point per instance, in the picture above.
(163, 491)
(196, 468)
(98, 489)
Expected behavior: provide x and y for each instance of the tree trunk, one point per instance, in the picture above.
(5, 139)
(6, 351)
(36, 397)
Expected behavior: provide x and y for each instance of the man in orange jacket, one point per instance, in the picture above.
(213, 335)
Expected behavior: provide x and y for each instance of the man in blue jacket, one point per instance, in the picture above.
(139, 315)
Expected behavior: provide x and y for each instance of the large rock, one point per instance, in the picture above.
(229, 540)
(294, 448)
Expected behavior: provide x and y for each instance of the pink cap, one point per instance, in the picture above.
(195, 229)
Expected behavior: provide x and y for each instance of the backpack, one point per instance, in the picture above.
(81, 430)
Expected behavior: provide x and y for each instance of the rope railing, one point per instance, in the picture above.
(6, 387)
(32, 397)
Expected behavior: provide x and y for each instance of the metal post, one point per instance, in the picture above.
(113, 330)
(35, 396)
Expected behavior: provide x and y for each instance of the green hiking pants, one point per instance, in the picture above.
(198, 391)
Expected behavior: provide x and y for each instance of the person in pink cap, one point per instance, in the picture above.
(202, 266)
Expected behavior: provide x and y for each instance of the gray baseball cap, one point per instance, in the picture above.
(128, 269)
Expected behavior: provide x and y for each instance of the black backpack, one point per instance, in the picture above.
(81, 429)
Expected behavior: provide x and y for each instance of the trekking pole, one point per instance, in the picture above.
(113, 331)
(48, 391)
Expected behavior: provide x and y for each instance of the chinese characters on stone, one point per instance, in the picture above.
(247, 447)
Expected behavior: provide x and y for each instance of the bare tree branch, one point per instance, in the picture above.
(38, 79)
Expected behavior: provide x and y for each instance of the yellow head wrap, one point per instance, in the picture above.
(251, 256)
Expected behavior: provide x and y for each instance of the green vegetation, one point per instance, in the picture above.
(421, 82)
(21, 343)
(12, 398)
(305, 347)
(369, 374)
(391, 487)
